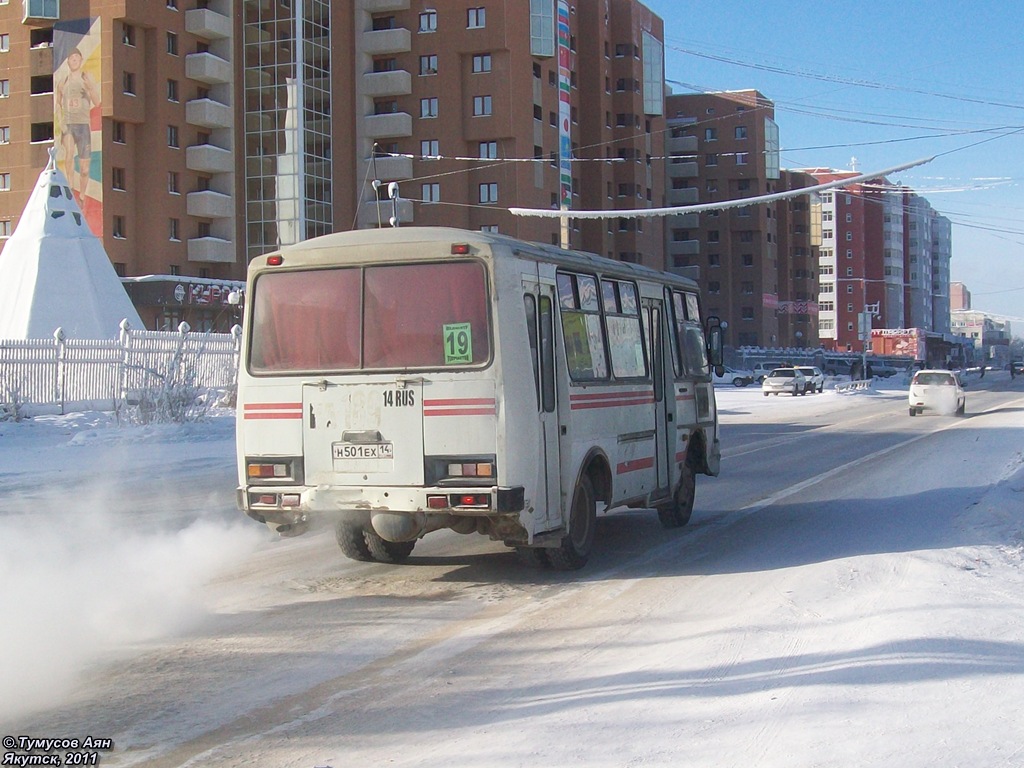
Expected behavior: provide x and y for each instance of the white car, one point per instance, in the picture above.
(937, 390)
(784, 380)
(815, 378)
(734, 377)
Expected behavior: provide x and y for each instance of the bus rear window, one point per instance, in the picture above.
(386, 317)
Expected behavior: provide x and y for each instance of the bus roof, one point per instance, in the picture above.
(402, 235)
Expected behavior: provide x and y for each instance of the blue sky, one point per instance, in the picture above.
(886, 83)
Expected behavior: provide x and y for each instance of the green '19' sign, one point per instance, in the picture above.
(458, 343)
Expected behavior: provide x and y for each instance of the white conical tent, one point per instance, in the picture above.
(55, 273)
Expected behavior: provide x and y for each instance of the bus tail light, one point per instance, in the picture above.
(437, 501)
(263, 469)
(476, 500)
(460, 470)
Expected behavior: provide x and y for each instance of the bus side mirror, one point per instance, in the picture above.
(715, 345)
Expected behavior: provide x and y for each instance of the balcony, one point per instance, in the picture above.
(206, 23)
(206, 158)
(394, 124)
(386, 41)
(209, 204)
(686, 196)
(211, 249)
(684, 170)
(681, 145)
(392, 168)
(397, 83)
(208, 113)
(207, 68)
(379, 6)
(684, 247)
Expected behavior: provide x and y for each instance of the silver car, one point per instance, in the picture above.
(784, 380)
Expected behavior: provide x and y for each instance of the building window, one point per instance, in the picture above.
(172, 183)
(489, 192)
(118, 229)
(117, 178)
(714, 260)
(748, 259)
(428, 107)
(476, 18)
(5, 228)
(5, 42)
(172, 44)
(172, 90)
(429, 148)
(714, 287)
(128, 83)
(849, 235)
(741, 132)
(482, 62)
(41, 9)
(128, 34)
(5, 134)
(428, 64)
(742, 158)
(747, 287)
(430, 193)
(747, 313)
(118, 132)
(40, 84)
(172, 136)
(481, 106)
(711, 159)
(172, 230)
(5, 89)
(173, 269)
(384, 106)
(488, 150)
(710, 134)
(428, 21)
(387, 64)
(5, 182)
(713, 236)
(173, 5)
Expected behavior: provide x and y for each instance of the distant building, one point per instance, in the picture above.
(991, 337)
(959, 297)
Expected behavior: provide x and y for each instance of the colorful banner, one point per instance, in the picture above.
(564, 108)
(77, 114)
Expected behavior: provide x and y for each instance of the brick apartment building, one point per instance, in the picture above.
(220, 130)
(756, 264)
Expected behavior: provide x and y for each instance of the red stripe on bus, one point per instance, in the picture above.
(634, 465)
(459, 401)
(461, 412)
(291, 415)
(613, 395)
(685, 397)
(646, 400)
(272, 406)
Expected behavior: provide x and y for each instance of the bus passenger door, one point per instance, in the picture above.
(539, 303)
(653, 326)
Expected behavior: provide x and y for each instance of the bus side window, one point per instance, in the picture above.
(530, 302)
(547, 354)
(582, 330)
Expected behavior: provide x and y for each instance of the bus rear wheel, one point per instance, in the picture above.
(387, 551)
(574, 551)
(360, 543)
(677, 513)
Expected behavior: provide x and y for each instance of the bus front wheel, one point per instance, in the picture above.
(677, 513)
(574, 550)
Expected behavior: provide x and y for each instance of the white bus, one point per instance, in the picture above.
(399, 381)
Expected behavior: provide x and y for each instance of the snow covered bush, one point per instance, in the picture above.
(172, 398)
(11, 403)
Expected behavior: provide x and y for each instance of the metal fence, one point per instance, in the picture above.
(61, 373)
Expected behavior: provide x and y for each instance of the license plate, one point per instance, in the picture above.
(363, 450)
